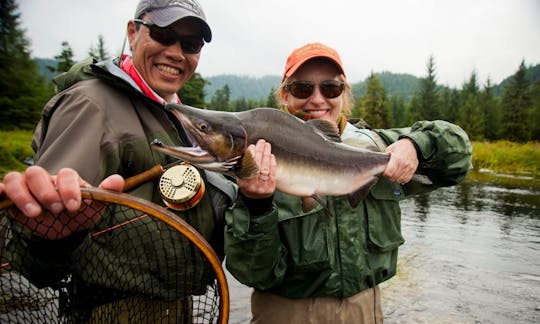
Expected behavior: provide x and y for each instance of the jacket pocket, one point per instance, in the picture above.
(305, 238)
(384, 216)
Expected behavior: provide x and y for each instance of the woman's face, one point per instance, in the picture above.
(316, 105)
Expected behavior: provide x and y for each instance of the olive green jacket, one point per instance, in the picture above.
(339, 251)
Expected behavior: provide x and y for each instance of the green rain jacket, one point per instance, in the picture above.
(297, 255)
(100, 123)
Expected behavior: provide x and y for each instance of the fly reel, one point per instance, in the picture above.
(181, 187)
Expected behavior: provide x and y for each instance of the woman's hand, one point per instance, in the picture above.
(264, 184)
(403, 161)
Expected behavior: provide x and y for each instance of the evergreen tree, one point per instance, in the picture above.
(535, 111)
(356, 110)
(375, 107)
(491, 112)
(398, 111)
(239, 104)
(471, 119)
(427, 103)
(450, 105)
(192, 93)
(64, 60)
(221, 99)
(23, 91)
(99, 52)
(516, 103)
(271, 99)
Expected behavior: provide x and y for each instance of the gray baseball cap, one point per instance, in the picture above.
(165, 12)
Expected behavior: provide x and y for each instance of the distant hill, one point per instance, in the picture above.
(532, 74)
(242, 86)
(249, 87)
(395, 84)
(42, 67)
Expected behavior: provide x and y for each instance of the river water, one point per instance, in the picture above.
(472, 255)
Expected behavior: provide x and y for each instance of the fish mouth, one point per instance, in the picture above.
(194, 154)
(197, 156)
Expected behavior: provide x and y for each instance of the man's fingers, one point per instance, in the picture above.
(69, 188)
(19, 193)
(113, 182)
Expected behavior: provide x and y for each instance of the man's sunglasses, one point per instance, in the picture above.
(167, 37)
(304, 89)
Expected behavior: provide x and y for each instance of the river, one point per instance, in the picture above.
(472, 255)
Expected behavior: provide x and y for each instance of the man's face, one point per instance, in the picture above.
(164, 68)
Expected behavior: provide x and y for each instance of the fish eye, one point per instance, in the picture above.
(203, 126)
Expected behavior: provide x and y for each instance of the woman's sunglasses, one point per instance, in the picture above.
(167, 37)
(304, 89)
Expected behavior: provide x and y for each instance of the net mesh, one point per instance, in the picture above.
(129, 267)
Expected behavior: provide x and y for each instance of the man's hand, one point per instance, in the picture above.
(50, 203)
(403, 161)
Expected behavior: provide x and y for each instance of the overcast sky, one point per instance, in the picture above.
(254, 37)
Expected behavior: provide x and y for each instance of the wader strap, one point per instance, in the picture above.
(220, 182)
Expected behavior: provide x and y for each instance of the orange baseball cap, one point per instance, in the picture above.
(302, 54)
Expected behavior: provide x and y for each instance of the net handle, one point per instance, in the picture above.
(170, 219)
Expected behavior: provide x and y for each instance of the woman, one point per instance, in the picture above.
(323, 265)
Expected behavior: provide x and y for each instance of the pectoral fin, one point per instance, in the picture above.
(360, 194)
(308, 203)
(247, 168)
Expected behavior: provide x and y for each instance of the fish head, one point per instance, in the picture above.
(218, 133)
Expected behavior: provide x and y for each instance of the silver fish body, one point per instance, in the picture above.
(310, 160)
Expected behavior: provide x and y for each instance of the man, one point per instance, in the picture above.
(96, 132)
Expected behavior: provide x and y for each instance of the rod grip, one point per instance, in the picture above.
(143, 177)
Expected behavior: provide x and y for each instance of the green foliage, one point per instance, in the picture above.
(490, 109)
(14, 148)
(99, 52)
(516, 103)
(505, 156)
(427, 105)
(271, 99)
(192, 93)
(470, 114)
(64, 60)
(221, 99)
(534, 118)
(23, 91)
(395, 84)
(375, 107)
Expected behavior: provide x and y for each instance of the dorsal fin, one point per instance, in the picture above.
(247, 168)
(325, 128)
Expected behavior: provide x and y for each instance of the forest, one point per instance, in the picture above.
(488, 112)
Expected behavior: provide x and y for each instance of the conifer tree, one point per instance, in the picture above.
(221, 99)
(450, 105)
(471, 118)
(64, 60)
(99, 52)
(271, 99)
(398, 112)
(23, 91)
(490, 109)
(516, 104)
(192, 93)
(375, 106)
(535, 111)
(427, 103)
